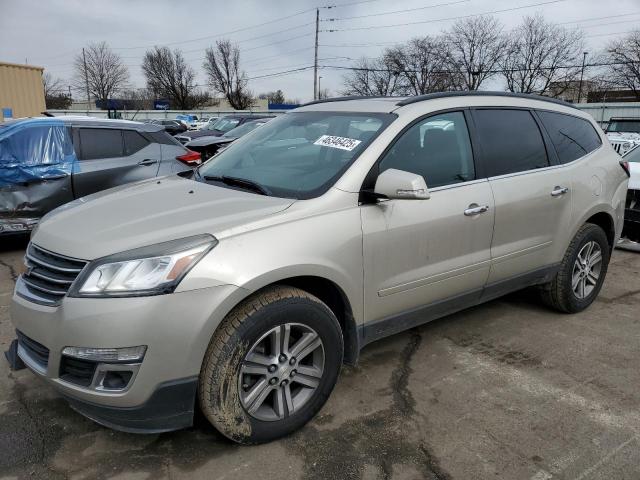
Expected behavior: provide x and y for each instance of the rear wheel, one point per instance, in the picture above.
(582, 272)
(271, 365)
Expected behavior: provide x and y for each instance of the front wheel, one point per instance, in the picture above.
(582, 271)
(271, 365)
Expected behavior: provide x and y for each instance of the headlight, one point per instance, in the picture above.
(149, 270)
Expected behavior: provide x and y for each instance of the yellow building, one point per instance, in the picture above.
(21, 91)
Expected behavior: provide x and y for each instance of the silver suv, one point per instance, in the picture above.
(243, 288)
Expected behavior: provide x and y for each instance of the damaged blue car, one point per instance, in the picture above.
(47, 162)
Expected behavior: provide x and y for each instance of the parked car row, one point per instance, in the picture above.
(243, 285)
(48, 162)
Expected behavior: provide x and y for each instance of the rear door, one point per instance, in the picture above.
(532, 194)
(110, 157)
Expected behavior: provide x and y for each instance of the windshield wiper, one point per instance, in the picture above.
(239, 182)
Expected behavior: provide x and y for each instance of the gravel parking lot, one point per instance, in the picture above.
(504, 390)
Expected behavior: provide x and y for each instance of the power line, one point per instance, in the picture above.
(406, 10)
(599, 18)
(218, 35)
(549, 2)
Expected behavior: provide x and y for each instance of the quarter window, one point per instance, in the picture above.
(100, 143)
(572, 137)
(133, 142)
(438, 148)
(511, 141)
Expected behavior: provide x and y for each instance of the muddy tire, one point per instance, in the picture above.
(271, 365)
(582, 272)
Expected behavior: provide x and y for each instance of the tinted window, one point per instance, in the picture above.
(100, 143)
(572, 137)
(437, 148)
(511, 141)
(133, 142)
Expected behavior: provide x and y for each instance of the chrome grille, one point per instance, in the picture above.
(48, 276)
(617, 147)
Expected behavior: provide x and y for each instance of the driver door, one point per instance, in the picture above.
(425, 258)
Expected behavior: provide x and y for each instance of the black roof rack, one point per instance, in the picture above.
(481, 93)
(347, 98)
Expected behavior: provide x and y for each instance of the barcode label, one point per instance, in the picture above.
(343, 143)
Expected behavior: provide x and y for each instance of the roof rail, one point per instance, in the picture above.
(481, 93)
(347, 98)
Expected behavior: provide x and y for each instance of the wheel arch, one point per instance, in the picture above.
(605, 221)
(329, 292)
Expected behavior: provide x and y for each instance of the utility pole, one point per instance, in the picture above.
(315, 61)
(584, 59)
(86, 80)
(319, 87)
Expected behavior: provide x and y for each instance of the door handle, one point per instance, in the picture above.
(557, 191)
(475, 209)
(147, 161)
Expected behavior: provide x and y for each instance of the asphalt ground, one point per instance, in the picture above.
(507, 390)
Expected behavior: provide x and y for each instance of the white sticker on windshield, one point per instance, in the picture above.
(343, 143)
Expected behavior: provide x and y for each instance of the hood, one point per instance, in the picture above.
(202, 133)
(623, 136)
(210, 140)
(146, 213)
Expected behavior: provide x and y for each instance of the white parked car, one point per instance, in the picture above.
(624, 134)
(632, 205)
(199, 124)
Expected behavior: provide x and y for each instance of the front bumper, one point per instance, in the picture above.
(176, 329)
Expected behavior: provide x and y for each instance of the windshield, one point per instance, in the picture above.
(298, 155)
(243, 129)
(624, 126)
(224, 124)
(633, 155)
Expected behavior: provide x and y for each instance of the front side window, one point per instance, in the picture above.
(633, 155)
(511, 141)
(438, 148)
(297, 155)
(572, 137)
(100, 143)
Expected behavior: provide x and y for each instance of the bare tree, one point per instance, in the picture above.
(624, 56)
(170, 77)
(423, 64)
(222, 66)
(324, 93)
(477, 45)
(105, 72)
(273, 97)
(376, 76)
(537, 56)
(55, 96)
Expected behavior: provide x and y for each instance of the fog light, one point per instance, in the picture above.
(126, 354)
(116, 380)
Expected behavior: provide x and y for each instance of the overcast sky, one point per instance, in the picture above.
(49, 33)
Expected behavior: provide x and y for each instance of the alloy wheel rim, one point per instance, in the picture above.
(586, 270)
(281, 372)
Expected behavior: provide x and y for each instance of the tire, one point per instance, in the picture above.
(559, 292)
(227, 382)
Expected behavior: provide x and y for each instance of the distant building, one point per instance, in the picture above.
(569, 91)
(598, 96)
(21, 91)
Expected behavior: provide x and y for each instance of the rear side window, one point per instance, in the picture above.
(133, 142)
(438, 148)
(511, 141)
(100, 143)
(572, 137)
(163, 138)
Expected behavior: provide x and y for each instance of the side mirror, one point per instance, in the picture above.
(399, 184)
